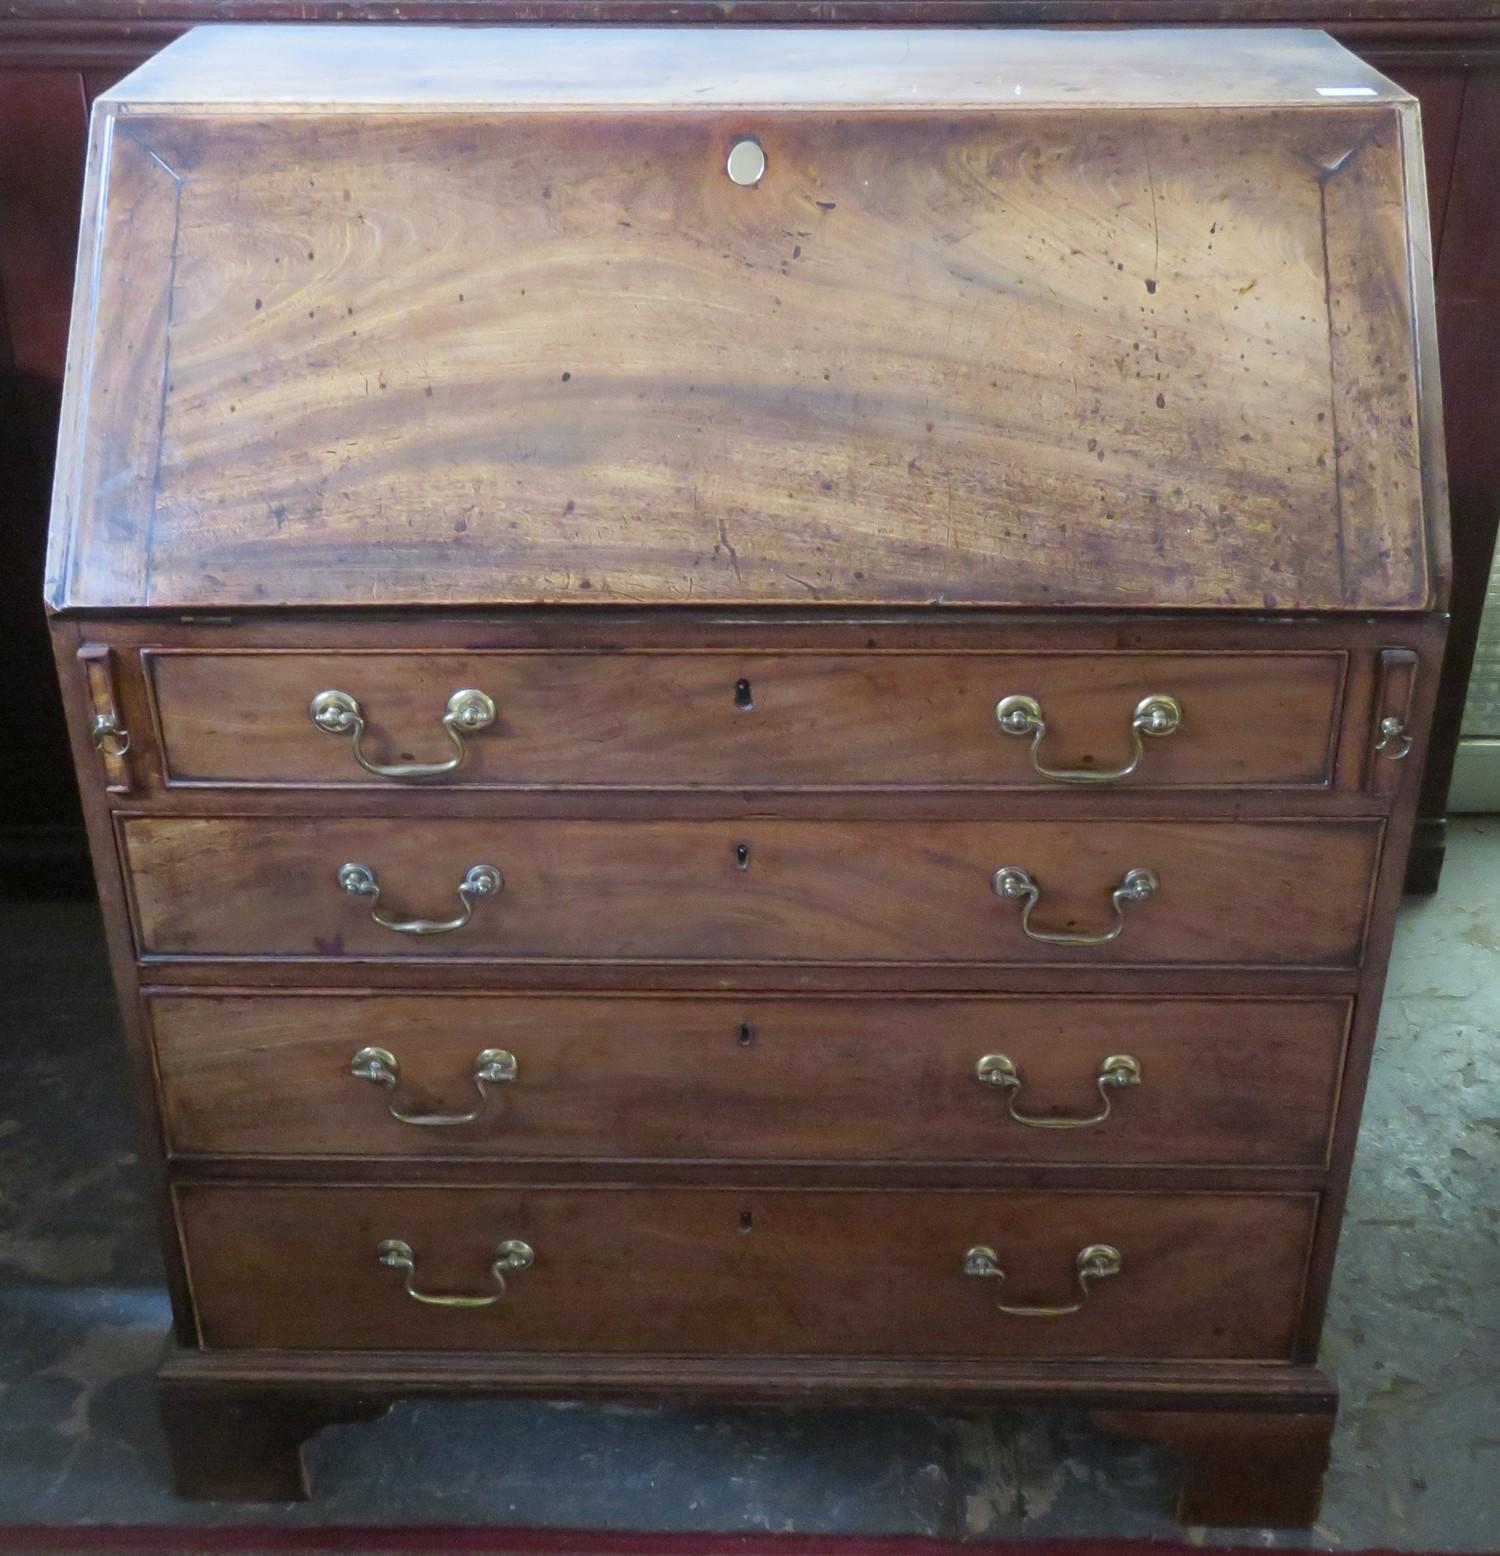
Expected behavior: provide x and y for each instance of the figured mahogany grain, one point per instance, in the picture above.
(748, 719)
(1289, 893)
(1154, 357)
(753, 1078)
(747, 1270)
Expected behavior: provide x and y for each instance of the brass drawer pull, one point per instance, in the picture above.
(106, 729)
(492, 1067)
(1117, 1072)
(483, 880)
(511, 1255)
(338, 713)
(1096, 1262)
(1019, 885)
(1155, 715)
(107, 735)
(1395, 742)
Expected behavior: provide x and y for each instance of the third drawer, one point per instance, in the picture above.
(1228, 1081)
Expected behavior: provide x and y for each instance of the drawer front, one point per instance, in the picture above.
(739, 719)
(1208, 1081)
(746, 1271)
(1284, 892)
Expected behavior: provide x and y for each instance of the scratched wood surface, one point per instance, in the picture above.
(1158, 356)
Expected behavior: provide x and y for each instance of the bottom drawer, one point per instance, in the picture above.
(772, 1271)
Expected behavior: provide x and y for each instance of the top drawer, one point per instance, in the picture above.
(733, 719)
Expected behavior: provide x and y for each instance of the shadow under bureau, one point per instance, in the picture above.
(749, 705)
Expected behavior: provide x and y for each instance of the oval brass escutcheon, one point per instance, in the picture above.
(746, 163)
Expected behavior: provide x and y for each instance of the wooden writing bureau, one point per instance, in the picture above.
(749, 705)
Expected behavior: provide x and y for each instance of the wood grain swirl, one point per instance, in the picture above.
(1138, 358)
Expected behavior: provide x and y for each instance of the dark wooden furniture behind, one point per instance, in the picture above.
(751, 733)
(55, 58)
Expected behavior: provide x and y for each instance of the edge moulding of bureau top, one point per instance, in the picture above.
(749, 705)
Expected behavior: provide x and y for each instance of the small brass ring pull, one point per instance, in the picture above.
(1019, 885)
(1395, 743)
(1156, 715)
(483, 880)
(510, 1256)
(492, 1067)
(337, 713)
(107, 735)
(1117, 1072)
(1096, 1262)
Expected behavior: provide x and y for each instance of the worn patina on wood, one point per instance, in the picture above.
(997, 326)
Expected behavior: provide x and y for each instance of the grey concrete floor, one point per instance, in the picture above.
(1413, 1334)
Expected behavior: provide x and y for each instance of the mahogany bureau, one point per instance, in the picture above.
(749, 707)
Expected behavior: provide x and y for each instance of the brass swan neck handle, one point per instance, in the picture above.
(482, 880)
(337, 713)
(1156, 715)
(1097, 1261)
(1017, 885)
(1002, 1072)
(492, 1067)
(510, 1256)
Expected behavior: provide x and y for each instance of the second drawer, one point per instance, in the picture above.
(1186, 1081)
(1100, 891)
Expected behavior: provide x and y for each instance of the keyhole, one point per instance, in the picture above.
(746, 1034)
(743, 699)
(742, 856)
(747, 1221)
